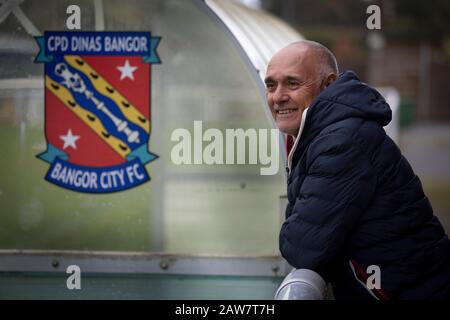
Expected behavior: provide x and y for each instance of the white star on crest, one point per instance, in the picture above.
(69, 140)
(126, 71)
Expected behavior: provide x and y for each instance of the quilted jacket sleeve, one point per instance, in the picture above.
(338, 186)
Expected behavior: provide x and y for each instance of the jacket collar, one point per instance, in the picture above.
(347, 97)
(297, 139)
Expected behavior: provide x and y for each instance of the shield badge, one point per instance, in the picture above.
(97, 108)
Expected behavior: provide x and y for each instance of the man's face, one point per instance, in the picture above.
(292, 84)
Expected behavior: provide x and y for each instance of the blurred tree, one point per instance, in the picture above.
(418, 20)
(319, 12)
(339, 25)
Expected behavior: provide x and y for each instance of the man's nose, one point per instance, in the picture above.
(280, 96)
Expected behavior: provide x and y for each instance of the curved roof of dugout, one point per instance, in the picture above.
(259, 34)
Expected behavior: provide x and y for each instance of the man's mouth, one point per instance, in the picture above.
(285, 111)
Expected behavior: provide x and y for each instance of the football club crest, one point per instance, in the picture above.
(97, 108)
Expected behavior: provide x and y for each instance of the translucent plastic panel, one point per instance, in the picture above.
(192, 209)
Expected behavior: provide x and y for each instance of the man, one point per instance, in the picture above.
(354, 201)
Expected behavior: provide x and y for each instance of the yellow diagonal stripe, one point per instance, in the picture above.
(102, 86)
(87, 117)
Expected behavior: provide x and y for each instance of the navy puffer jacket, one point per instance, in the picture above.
(355, 202)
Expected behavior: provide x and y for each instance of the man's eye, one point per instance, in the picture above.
(293, 84)
(270, 86)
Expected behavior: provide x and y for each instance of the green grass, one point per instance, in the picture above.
(438, 192)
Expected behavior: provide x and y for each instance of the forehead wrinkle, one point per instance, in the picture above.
(293, 57)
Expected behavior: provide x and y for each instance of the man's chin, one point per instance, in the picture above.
(288, 130)
(292, 132)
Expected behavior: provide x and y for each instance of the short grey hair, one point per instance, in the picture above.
(326, 61)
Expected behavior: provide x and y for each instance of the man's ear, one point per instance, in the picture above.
(330, 79)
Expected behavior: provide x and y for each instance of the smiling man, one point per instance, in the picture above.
(355, 204)
(295, 76)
